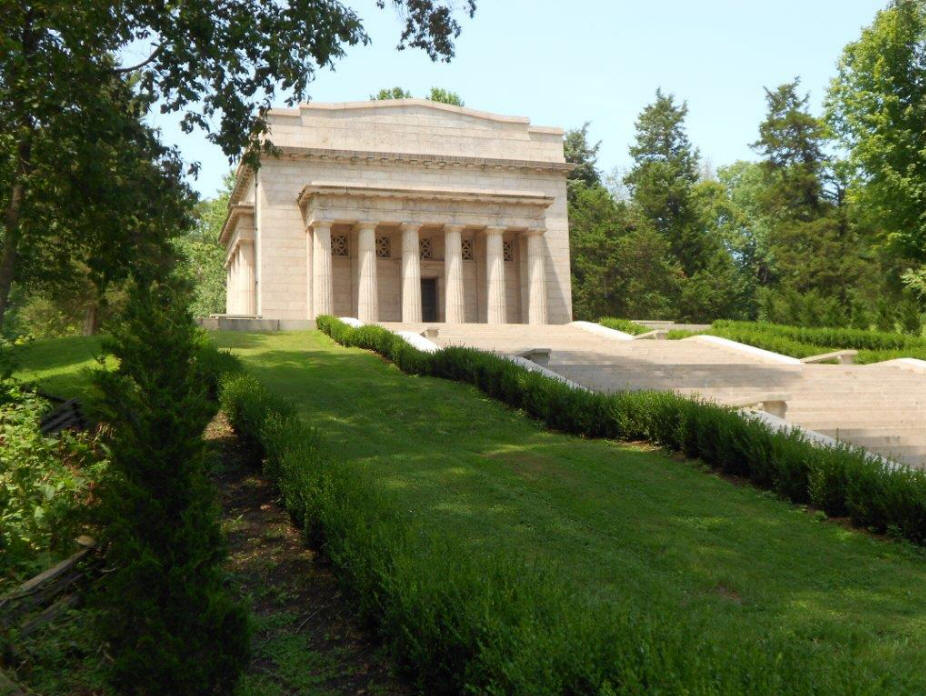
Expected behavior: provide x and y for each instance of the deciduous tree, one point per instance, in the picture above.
(877, 107)
(219, 62)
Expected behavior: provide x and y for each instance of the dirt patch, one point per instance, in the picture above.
(728, 593)
(307, 639)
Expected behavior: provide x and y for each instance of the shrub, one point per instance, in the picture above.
(845, 479)
(625, 325)
(45, 481)
(171, 625)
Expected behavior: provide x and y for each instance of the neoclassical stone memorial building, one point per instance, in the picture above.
(404, 210)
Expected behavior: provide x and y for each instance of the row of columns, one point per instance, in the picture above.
(367, 302)
(239, 282)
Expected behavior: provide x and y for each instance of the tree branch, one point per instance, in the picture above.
(146, 61)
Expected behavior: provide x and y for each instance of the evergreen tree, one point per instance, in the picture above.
(663, 184)
(584, 156)
(664, 172)
(791, 143)
(171, 626)
(814, 245)
(620, 265)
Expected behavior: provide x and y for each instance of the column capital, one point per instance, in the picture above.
(411, 226)
(454, 228)
(535, 231)
(365, 225)
(316, 224)
(490, 230)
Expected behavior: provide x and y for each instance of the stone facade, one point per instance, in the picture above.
(403, 210)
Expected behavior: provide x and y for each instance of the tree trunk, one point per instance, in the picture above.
(11, 220)
(91, 319)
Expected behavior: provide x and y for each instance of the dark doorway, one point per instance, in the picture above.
(429, 299)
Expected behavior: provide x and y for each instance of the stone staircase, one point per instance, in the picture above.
(879, 407)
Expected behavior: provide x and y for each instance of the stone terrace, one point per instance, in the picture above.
(879, 407)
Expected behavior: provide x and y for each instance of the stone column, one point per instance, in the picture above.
(496, 312)
(536, 279)
(252, 290)
(367, 302)
(454, 307)
(322, 292)
(228, 287)
(236, 282)
(309, 307)
(242, 280)
(411, 275)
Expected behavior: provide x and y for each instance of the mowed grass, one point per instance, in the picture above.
(617, 524)
(61, 367)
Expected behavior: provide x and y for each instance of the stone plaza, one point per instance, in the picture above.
(402, 210)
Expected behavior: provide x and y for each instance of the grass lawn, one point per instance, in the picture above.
(614, 523)
(60, 366)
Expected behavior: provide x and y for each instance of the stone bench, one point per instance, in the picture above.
(541, 356)
(774, 403)
(843, 357)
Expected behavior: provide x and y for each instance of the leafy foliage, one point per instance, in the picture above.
(803, 341)
(437, 94)
(625, 325)
(202, 258)
(391, 93)
(877, 106)
(46, 481)
(82, 180)
(444, 96)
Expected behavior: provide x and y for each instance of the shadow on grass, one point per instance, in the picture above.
(53, 353)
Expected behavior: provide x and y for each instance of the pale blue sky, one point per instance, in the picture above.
(565, 62)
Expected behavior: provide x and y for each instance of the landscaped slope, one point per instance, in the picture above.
(617, 528)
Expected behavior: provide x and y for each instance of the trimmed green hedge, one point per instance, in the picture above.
(859, 339)
(492, 622)
(801, 342)
(625, 325)
(843, 481)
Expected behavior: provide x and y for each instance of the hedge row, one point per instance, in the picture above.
(625, 325)
(800, 342)
(843, 481)
(465, 620)
(859, 339)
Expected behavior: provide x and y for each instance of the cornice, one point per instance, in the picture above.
(425, 159)
(339, 189)
(235, 210)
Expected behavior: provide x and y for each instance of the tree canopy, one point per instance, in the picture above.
(82, 178)
(437, 94)
(877, 107)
